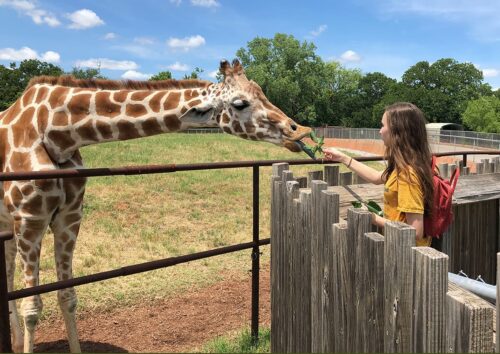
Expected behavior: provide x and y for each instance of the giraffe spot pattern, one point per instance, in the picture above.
(42, 116)
(119, 96)
(140, 95)
(62, 139)
(151, 126)
(27, 189)
(87, 132)
(79, 107)
(127, 130)
(52, 202)
(172, 122)
(155, 102)
(249, 127)
(172, 101)
(41, 155)
(60, 119)
(104, 106)
(225, 118)
(135, 110)
(194, 103)
(57, 97)
(28, 96)
(24, 131)
(20, 161)
(237, 127)
(105, 129)
(41, 94)
(12, 112)
(34, 205)
(190, 94)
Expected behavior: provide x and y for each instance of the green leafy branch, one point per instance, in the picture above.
(318, 148)
(370, 205)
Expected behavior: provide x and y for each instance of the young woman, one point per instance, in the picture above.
(409, 189)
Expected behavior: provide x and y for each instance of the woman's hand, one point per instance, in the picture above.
(333, 154)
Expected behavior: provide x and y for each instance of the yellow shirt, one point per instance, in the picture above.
(403, 194)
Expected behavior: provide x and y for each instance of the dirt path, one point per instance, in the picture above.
(180, 324)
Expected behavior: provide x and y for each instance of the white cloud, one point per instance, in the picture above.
(176, 2)
(24, 53)
(186, 43)
(51, 57)
(104, 63)
(83, 19)
(479, 17)
(29, 8)
(350, 56)
(318, 31)
(213, 74)
(135, 75)
(109, 36)
(205, 3)
(490, 72)
(144, 40)
(178, 67)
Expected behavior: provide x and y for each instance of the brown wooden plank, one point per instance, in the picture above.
(398, 287)
(429, 300)
(341, 290)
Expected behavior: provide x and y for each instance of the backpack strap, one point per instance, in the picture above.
(454, 178)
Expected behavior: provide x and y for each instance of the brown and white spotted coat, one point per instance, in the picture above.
(54, 117)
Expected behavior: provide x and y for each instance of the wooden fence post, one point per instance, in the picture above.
(316, 265)
(359, 222)
(332, 175)
(342, 291)
(398, 287)
(470, 322)
(371, 314)
(430, 269)
(329, 207)
(345, 179)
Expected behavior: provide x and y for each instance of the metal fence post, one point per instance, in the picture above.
(5, 344)
(255, 258)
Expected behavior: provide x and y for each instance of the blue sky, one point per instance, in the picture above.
(135, 39)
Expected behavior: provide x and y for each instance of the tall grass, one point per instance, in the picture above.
(135, 219)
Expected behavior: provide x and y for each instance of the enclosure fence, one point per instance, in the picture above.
(6, 296)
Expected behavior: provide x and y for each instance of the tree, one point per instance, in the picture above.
(483, 114)
(290, 74)
(442, 89)
(88, 73)
(13, 80)
(371, 90)
(162, 75)
(195, 74)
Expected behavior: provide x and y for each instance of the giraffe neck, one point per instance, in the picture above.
(69, 118)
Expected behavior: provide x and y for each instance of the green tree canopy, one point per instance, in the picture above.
(442, 89)
(88, 73)
(13, 80)
(162, 75)
(483, 114)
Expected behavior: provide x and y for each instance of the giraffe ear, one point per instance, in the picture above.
(225, 68)
(198, 114)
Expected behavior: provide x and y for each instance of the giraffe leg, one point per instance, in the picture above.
(10, 258)
(64, 244)
(29, 233)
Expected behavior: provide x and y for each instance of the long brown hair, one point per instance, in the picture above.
(408, 146)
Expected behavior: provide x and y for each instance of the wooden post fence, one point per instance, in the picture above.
(336, 286)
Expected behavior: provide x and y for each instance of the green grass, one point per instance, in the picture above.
(135, 219)
(240, 343)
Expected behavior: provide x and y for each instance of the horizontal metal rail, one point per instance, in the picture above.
(130, 270)
(170, 168)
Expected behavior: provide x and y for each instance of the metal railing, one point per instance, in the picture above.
(6, 296)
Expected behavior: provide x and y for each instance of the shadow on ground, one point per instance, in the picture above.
(62, 346)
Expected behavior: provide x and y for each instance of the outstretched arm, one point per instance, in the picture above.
(367, 173)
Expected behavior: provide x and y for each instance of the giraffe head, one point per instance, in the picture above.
(240, 108)
(248, 113)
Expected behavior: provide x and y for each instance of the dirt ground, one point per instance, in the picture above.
(180, 324)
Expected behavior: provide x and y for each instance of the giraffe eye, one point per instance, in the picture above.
(240, 104)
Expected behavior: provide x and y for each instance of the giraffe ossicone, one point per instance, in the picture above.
(55, 116)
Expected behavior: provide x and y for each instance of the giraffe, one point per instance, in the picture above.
(55, 116)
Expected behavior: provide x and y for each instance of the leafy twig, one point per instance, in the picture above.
(370, 205)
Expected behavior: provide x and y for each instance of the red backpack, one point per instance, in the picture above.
(438, 221)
